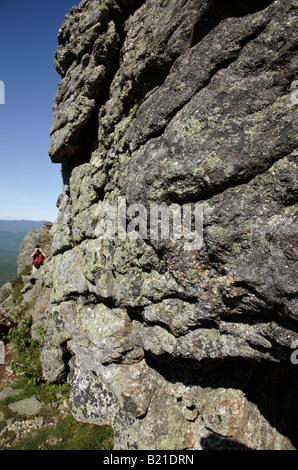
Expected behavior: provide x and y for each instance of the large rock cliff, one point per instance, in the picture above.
(189, 104)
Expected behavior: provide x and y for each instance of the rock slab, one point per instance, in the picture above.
(9, 392)
(28, 406)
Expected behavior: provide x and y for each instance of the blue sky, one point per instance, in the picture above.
(29, 182)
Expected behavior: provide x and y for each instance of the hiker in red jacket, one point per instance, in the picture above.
(38, 256)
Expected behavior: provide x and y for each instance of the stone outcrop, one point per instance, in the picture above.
(177, 102)
(34, 292)
(40, 236)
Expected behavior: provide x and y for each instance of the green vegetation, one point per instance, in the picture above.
(27, 348)
(59, 430)
(68, 434)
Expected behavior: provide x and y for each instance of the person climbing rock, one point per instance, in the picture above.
(38, 256)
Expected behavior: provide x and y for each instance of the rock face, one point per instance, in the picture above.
(40, 236)
(184, 103)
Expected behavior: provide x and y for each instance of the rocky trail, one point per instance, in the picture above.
(7, 376)
(38, 420)
(27, 415)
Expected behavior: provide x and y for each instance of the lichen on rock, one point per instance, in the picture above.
(180, 102)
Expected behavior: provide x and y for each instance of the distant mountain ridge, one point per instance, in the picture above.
(20, 225)
(12, 234)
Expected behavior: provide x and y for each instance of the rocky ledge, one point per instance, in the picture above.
(183, 102)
